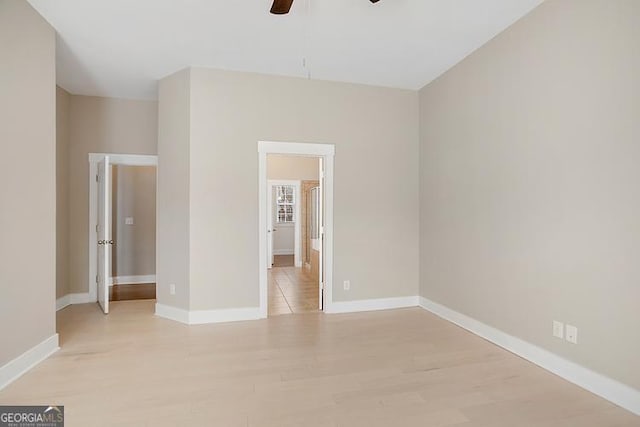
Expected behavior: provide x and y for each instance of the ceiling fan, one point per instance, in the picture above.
(282, 7)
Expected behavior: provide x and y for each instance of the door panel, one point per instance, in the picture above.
(104, 233)
(321, 235)
(270, 228)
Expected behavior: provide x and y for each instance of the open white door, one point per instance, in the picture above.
(270, 228)
(321, 236)
(104, 233)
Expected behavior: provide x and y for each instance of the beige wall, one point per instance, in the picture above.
(530, 183)
(100, 125)
(134, 196)
(292, 167)
(172, 259)
(232, 111)
(27, 179)
(62, 192)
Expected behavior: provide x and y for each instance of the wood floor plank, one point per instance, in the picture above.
(292, 290)
(389, 368)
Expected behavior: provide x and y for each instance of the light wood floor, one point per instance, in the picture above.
(283, 261)
(292, 290)
(390, 368)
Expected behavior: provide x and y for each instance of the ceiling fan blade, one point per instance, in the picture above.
(281, 7)
(375, 1)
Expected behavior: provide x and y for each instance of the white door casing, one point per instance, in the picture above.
(114, 159)
(326, 152)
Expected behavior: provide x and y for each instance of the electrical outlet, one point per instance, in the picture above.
(571, 334)
(128, 220)
(558, 329)
(347, 285)
(172, 288)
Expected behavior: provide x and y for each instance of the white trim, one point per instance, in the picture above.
(372, 304)
(125, 159)
(199, 317)
(605, 387)
(70, 299)
(27, 360)
(297, 224)
(114, 159)
(172, 313)
(132, 280)
(327, 152)
(296, 148)
(81, 298)
(63, 301)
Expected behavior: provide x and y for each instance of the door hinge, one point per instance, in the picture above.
(97, 178)
(97, 228)
(321, 174)
(322, 286)
(96, 278)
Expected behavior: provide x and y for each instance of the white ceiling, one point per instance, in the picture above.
(120, 48)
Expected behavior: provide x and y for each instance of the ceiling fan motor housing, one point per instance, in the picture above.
(282, 7)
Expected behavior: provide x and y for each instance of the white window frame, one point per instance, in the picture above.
(293, 204)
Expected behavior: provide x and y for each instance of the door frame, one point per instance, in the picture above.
(327, 153)
(114, 159)
(297, 226)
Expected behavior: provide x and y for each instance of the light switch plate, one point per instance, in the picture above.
(571, 334)
(558, 329)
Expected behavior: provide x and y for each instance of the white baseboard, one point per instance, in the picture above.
(605, 387)
(27, 360)
(132, 280)
(79, 298)
(283, 251)
(172, 313)
(63, 302)
(371, 304)
(199, 317)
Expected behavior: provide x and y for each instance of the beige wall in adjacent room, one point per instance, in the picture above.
(134, 196)
(172, 258)
(27, 179)
(100, 125)
(530, 183)
(292, 167)
(375, 131)
(62, 192)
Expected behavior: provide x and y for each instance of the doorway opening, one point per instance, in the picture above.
(122, 234)
(296, 227)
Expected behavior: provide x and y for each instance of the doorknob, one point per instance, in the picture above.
(110, 242)
(101, 242)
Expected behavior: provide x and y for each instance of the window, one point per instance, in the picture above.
(285, 201)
